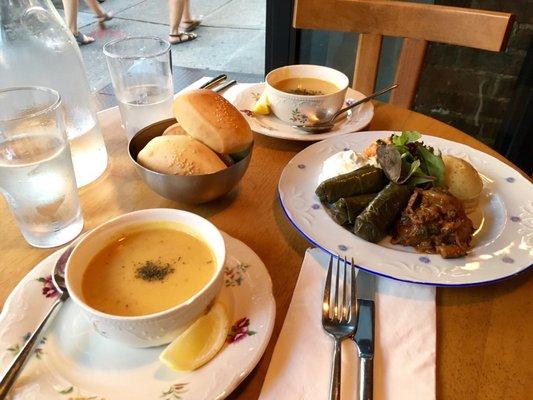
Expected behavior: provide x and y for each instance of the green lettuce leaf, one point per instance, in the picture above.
(431, 164)
(405, 137)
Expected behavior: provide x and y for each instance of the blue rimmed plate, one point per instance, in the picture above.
(502, 244)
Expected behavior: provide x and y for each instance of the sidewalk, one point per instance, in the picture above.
(231, 37)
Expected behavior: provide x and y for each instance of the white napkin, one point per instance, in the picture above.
(404, 361)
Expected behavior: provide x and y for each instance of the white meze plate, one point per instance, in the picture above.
(502, 244)
(244, 98)
(74, 362)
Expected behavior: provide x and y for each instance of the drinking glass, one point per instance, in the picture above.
(141, 73)
(36, 172)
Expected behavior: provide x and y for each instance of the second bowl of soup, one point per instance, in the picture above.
(299, 94)
(144, 277)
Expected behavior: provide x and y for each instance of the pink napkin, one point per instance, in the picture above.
(404, 361)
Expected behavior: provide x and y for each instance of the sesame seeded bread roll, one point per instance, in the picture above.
(174, 129)
(179, 155)
(210, 118)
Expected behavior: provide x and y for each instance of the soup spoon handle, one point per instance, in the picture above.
(367, 98)
(16, 366)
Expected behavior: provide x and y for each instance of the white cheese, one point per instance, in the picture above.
(342, 163)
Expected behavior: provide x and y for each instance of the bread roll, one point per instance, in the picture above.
(174, 129)
(462, 180)
(179, 155)
(210, 118)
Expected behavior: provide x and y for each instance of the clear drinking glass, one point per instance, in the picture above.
(36, 172)
(141, 73)
(37, 49)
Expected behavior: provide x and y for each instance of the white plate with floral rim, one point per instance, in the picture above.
(244, 97)
(74, 362)
(502, 244)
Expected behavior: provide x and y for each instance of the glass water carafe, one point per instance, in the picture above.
(37, 49)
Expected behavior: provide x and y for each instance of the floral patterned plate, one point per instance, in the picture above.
(502, 245)
(244, 97)
(72, 362)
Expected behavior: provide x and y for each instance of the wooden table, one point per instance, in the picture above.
(484, 333)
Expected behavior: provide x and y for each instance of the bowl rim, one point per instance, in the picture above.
(309, 97)
(159, 314)
(130, 141)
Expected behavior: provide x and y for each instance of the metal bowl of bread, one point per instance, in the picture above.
(199, 155)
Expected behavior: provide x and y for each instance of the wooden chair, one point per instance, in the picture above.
(417, 23)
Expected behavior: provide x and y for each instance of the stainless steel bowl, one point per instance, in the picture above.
(192, 189)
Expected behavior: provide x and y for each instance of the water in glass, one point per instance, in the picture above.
(36, 173)
(141, 74)
(143, 105)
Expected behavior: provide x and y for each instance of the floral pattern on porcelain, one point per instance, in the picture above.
(297, 117)
(174, 392)
(271, 126)
(74, 394)
(525, 221)
(240, 330)
(87, 381)
(48, 289)
(234, 275)
(38, 351)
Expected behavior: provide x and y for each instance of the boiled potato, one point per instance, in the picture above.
(462, 180)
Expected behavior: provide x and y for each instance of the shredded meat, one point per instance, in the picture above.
(434, 221)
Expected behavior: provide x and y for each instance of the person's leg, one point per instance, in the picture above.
(71, 14)
(71, 19)
(175, 12)
(95, 7)
(188, 23)
(186, 16)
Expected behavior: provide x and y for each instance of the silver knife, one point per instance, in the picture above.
(364, 336)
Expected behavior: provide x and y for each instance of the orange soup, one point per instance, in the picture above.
(148, 269)
(306, 86)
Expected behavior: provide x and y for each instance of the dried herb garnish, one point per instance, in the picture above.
(306, 92)
(151, 271)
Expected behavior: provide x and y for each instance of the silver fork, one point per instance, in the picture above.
(339, 317)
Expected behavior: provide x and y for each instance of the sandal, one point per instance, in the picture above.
(82, 39)
(189, 26)
(182, 37)
(108, 16)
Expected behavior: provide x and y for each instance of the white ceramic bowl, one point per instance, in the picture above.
(152, 329)
(294, 109)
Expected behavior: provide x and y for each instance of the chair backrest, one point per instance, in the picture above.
(416, 23)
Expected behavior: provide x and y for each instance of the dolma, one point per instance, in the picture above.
(346, 209)
(367, 179)
(376, 219)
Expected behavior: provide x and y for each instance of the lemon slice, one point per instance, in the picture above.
(199, 343)
(261, 105)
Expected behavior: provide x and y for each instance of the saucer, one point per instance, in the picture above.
(244, 98)
(74, 362)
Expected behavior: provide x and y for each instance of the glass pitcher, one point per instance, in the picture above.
(37, 49)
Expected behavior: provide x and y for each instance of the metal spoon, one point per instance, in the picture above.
(15, 368)
(224, 86)
(324, 126)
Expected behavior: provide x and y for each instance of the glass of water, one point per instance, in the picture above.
(36, 173)
(141, 73)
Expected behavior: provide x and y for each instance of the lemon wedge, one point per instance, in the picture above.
(199, 343)
(261, 105)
